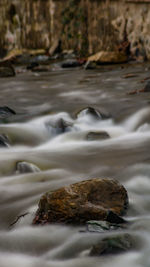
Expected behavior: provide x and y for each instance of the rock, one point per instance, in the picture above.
(83, 201)
(4, 141)
(94, 136)
(103, 226)
(113, 245)
(90, 111)
(40, 59)
(6, 69)
(71, 63)
(112, 217)
(112, 57)
(6, 112)
(60, 126)
(26, 167)
(32, 65)
(98, 226)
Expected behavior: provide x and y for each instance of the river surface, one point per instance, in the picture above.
(40, 100)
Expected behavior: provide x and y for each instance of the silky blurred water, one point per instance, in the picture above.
(62, 158)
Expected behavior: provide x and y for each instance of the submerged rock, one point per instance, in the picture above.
(26, 167)
(113, 245)
(111, 57)
(6, 69)
(83, 201)
(60, 126)
(94, 136)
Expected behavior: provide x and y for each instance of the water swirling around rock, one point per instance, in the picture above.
(50, 142)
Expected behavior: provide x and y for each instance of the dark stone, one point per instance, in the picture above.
(96, 114)
(40, 59)
(32, 65)
(113, 245)
(5, 112)
(83, 201)
(4, 142)
(94, 136)
(26, 167)
(6, 70)
(114, 218)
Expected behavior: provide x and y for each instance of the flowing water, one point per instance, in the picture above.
(62, 158)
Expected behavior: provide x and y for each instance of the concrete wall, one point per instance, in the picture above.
(87, 26)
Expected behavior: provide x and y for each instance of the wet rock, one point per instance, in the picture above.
(71, 63)
(26, 167)
(112, 57)
(83, 201)
(112, 217)
(6, 70)
(113, 245)
(4, 141)
(90, 111)
(6, 112)
(98, 226)
(40, 59)
(103, 226)
(94, 136)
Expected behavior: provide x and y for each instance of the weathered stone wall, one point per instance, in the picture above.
(87, 26)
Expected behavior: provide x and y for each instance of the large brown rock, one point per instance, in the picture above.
(111, 57)
(83, 201)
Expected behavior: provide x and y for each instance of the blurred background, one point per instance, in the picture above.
(84, 26)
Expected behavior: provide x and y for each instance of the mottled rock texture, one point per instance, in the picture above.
(87, 26)
(88, 200)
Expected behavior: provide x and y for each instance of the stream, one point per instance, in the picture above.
(62, 158)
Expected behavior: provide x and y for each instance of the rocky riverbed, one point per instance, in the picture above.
(72, 125)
